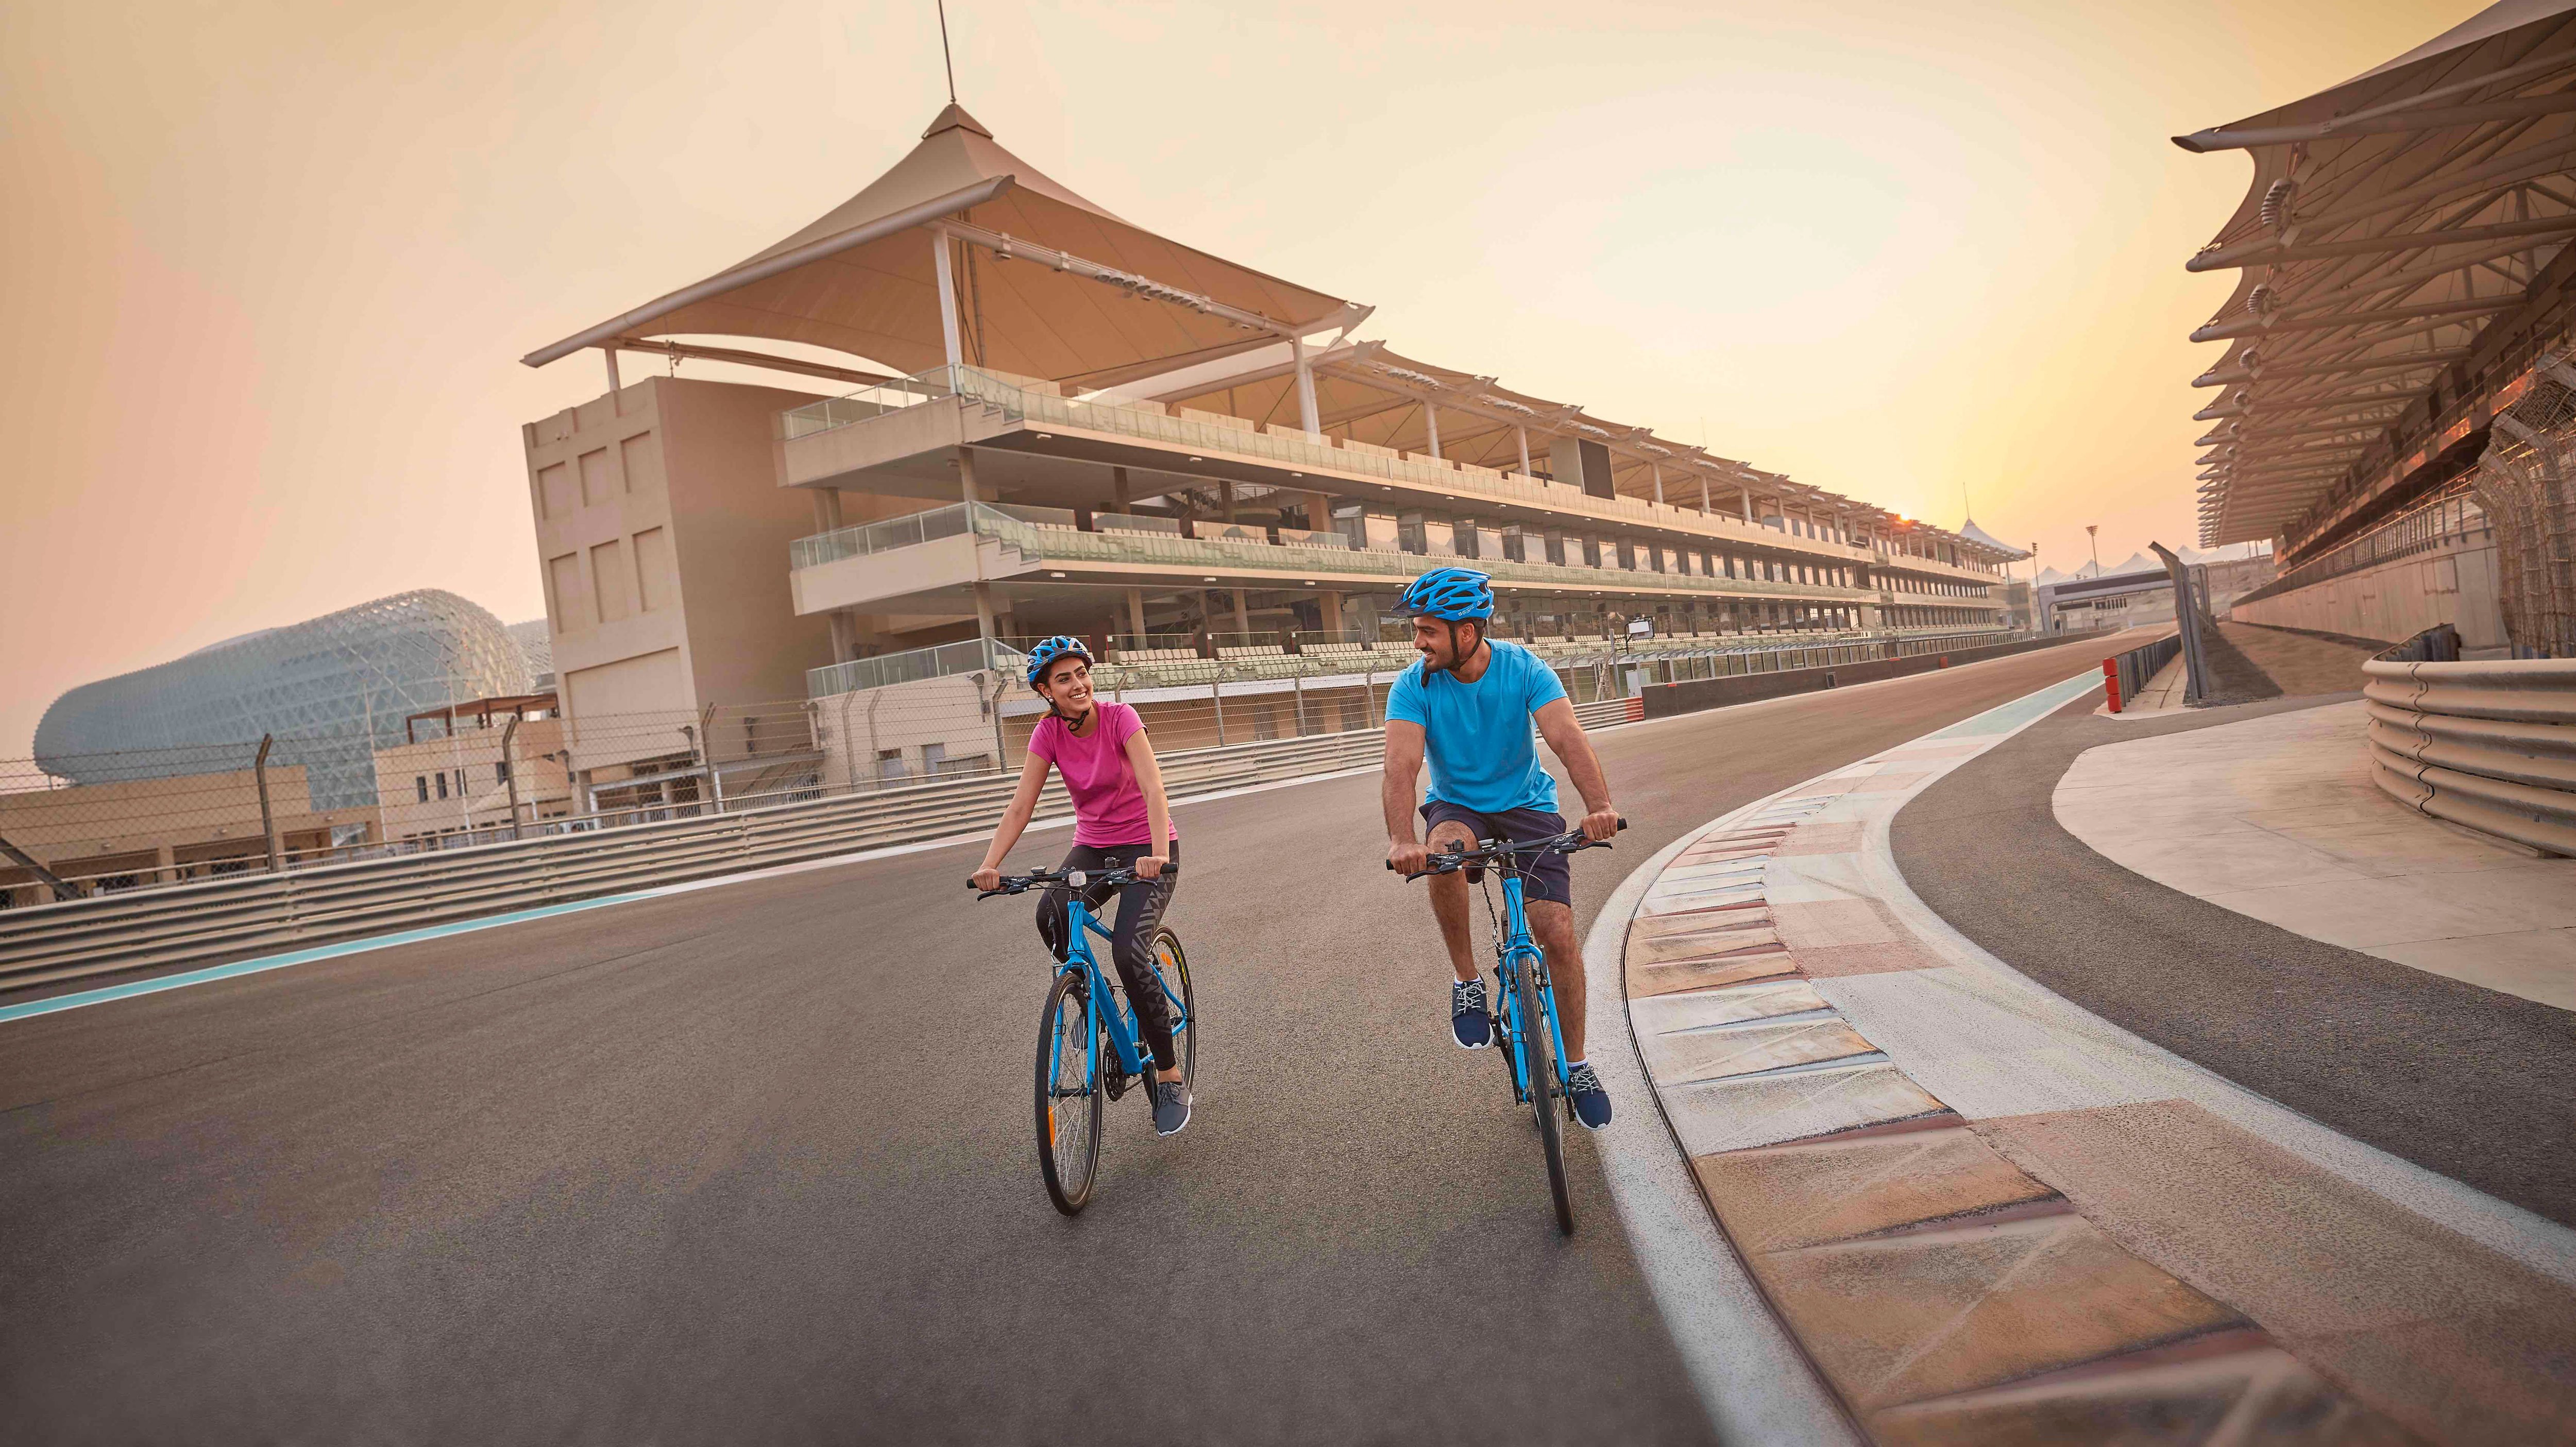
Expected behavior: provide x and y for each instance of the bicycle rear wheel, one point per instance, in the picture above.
(1068, 1095)
(1538, 1055)
(1173, 967)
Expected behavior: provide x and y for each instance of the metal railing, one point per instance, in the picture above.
(2488, 745)
(249, 914)
(2128, 674)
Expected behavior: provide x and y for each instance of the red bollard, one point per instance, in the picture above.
(2111, 681)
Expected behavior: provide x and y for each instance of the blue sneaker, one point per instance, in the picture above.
(1583, 1091)
(1469, 1020)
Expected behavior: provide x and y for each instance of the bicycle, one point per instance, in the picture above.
(1526, 999)
(1086, 1010)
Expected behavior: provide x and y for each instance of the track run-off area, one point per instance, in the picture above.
(753, 1162)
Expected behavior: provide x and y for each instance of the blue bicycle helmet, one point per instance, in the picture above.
(1052, 649)
(1458, 595)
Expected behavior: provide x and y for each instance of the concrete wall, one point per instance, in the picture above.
(2396, 600)
(662, 533)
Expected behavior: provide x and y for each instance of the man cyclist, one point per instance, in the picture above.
(1466, 706)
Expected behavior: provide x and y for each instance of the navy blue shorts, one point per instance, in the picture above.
(1545, 874)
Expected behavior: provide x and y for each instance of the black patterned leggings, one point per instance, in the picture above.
(1131, 936)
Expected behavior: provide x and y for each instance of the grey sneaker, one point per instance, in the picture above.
(1171, 1107)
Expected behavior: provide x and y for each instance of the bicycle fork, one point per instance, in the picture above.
(1507, 1015)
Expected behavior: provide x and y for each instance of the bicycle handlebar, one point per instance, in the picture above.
(1486, 851)
(1119, 877)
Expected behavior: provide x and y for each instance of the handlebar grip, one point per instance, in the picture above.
(1623, 821)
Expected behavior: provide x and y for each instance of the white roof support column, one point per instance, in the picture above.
(1431, 420)
(947, 301)
(1306, 411)
(1657, 469)
(1748, 504)
(1523, 434)
(1703, 494)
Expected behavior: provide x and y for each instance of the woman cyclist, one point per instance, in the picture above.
(1120, 814)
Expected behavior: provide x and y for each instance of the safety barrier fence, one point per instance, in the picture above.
(2126, 675)
(248, 914)
(2486, 744)
(1688, 695)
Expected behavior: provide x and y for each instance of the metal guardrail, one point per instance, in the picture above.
(2128, 674)
(2488, 745)
(249, 914)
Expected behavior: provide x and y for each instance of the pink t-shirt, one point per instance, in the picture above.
(1108, 807)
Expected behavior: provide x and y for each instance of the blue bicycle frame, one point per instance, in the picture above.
(1515, 946)
(1125, 1041)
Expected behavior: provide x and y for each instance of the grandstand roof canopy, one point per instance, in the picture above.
(1990, 542)
(2398, 231)
(1106, 299)
(1048, 284)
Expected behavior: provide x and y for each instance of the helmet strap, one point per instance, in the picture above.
(1457, 660)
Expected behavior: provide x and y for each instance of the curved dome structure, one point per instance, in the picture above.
(332, 689)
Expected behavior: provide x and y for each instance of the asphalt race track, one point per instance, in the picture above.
(754, 1164)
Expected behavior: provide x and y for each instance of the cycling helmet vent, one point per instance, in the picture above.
(1457, 594)
(1052, 649)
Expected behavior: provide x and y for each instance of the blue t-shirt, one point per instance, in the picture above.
(1476, 736)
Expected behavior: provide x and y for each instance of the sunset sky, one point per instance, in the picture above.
(268, 269)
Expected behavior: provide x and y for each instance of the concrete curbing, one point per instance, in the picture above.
(1942, 1287)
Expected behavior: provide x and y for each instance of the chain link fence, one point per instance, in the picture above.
(515, 768)
(2524, 484)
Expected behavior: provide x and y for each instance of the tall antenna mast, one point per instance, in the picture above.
(944, 60)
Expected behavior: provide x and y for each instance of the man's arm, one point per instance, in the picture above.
(1564, 733)
(1403, 769)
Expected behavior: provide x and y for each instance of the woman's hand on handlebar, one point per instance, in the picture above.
(1150, 866)
(986, 878)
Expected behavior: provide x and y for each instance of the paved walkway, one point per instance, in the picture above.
(2277, 818)
(1991, 1215)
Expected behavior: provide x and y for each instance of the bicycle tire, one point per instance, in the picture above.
(1167, 946)
(1538, 1055)
(1069, 1172)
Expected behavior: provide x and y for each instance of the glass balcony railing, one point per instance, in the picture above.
(1294, 450)
(1036, 543)
(972, 655)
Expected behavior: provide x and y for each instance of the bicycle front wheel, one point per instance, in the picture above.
(1173, 968)
(1068, 1094)
(1538, 1056)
